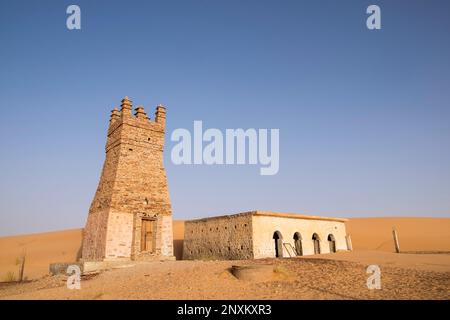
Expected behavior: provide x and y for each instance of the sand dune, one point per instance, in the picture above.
(416, 235)
(40, 250)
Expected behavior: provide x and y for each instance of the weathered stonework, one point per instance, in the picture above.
(132, 192)
(251, 235)
(221, 238)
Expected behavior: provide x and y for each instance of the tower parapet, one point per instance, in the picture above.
(160, 115)
(140, 113)
(115, 115)
(126, 107)
(130, 216)
(140, 117)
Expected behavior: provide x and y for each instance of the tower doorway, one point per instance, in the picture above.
(147, 235)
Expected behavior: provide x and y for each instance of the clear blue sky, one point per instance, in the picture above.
(364, 116)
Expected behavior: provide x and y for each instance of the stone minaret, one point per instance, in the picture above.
(130, 216)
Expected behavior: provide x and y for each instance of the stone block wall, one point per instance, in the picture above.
(94, 235)
(119, 236)
(219, 238)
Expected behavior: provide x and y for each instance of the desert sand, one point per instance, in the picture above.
(415, 234)
(40, 249)
(295, 278)
(421, 271)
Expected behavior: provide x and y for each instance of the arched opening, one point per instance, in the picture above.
(316, 241)
(278, 244)
(298, 243)
(332, 243)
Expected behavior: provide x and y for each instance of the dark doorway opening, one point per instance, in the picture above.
(298, 244)
(332, 243)
(316, 241)
(278, 244)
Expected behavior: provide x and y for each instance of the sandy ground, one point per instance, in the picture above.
(422, 272)
(41, 249)
(333, 276)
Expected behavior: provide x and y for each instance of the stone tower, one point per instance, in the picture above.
(130, 216)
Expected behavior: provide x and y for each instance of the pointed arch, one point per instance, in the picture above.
(298, 244)
(332, 243)
(316, 243)
(278, 237)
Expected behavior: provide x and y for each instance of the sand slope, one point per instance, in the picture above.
(415, 234)
(40, 249)
(375, 234)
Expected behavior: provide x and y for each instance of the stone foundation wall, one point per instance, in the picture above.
(94, 236)
(166, 236)
(119, 236)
